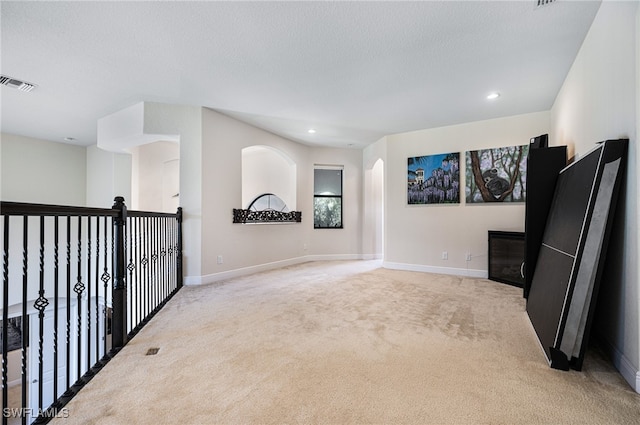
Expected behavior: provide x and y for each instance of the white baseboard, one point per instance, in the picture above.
(482, 274)
(229, 274)
(624, 366)
(244, 271)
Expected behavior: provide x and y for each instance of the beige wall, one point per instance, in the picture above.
(598, 101)
(150, 176)
(108, 176)
(266, 170)
(416, 235)
(43, 172)
(246, 248)
(342, 242)
(186, 123)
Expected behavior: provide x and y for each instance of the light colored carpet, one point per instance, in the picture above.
(348, 343)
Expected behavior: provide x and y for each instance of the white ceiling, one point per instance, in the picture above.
(354, 71)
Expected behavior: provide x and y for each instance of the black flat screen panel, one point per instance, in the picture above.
(570, 203)
(564, 289)
(587, 270)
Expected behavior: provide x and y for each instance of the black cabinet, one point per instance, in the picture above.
(543, 168)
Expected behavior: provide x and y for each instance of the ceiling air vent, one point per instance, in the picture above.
(540, 3)
(16, 84)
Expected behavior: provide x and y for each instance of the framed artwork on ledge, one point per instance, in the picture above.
(496, 175)
(434, 179)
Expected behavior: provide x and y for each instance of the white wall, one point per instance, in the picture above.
(598, 101)
(374, 209)
(42, 172)
(265, 170)
(416, 235)
(185, 121)
(246, 248)
(346, 241)
(108, 176)
(148, 179)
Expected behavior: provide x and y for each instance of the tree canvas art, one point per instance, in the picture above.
(496, 175)
(434, 179)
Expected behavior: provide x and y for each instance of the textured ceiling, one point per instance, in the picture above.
(354, 71)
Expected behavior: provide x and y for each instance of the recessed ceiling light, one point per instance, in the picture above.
(311, 131)
(493, 96)
(69, 139)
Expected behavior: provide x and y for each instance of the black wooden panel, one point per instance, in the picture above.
(543, 168)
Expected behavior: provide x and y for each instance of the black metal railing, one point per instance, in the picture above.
(78, 283)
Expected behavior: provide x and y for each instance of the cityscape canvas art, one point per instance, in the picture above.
(434, 179)
(496, 175)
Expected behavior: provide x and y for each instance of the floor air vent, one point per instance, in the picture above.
(16, 84)
(152, 351)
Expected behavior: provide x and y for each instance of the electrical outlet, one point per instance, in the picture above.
(445, 255)
(468, 256)
(220, 259)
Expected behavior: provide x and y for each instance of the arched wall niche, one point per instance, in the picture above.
(268, 170)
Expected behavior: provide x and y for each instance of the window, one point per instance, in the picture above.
(327, 198)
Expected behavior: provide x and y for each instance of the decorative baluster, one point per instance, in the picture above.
(145, 264)
(5, 318)
(56, 281)
(163, 256)
(68, 342)
(41, 304)
(171, 270)
(171, 260)
(136, 256)
(156, 241)
(141, 269)
(179, 247)
(113, 262)
(154, 257)
(151, 264)
(131, 267)
(105, 280)
(25, 320)
(154, 263)
(99, 313)
(88, 324)
(79, 289)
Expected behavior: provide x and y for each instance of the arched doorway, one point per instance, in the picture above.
(373, 231)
